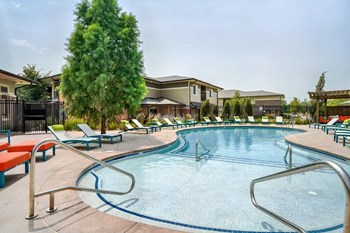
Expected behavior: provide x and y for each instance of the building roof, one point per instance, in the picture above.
(226, 94)
(159, 101)
(177, 78)
(5, 75)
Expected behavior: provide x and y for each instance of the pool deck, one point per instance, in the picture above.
(64, 168)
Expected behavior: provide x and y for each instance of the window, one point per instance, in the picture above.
(194, 89)
(152, 110)
(4, 89)
(210, 93)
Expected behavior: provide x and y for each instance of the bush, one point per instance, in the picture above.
(71, 123)
(205, 108)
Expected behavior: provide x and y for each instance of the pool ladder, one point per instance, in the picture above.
(344, 177)
(52, 208)
(197, 144)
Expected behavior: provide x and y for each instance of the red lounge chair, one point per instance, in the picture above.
(4, 145)
(11, 160)
(28, 146)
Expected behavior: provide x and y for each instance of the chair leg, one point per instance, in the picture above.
(26, 166)
(44, 155)
(121, 138)
(54, 150)
(87, 146)
(2, 179)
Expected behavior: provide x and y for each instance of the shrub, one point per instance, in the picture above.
(205, 108)
(227, 109)
(71, 123)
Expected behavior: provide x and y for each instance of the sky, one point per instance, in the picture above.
(281, 46)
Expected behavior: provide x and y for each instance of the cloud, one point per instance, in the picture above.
(21, 43)
(44, 50)
(15, 4)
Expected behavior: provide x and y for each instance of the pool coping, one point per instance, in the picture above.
(108, 221)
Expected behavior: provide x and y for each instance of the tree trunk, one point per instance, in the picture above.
(103, 124)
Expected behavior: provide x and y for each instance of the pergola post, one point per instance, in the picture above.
(325, 107)
(317, 111)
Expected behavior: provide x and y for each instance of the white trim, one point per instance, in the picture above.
(171, 88)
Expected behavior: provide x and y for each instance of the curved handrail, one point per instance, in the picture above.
(32, 193)
(344, 177)
(199, 142)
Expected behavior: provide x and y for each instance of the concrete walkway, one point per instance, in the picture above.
(63, 169)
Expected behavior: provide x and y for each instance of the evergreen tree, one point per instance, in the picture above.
(248, 107)
(214, 110)
(237, 108)
(321, 82)
(295, 105)
(36, 91)
(103, 75)
(205, 108)
(227, 109)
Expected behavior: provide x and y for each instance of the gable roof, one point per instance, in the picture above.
(227, 94)
(5, 75)
(177, 78)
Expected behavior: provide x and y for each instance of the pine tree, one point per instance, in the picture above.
(227, 109)
(248, 107)
(33, 92)
(103, 75)
(205, 108)
(237, 108)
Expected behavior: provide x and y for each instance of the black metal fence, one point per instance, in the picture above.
(21, 117)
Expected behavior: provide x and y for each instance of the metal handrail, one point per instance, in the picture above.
(288, 151)
(199, 142)
(344, 177)
(52, 208)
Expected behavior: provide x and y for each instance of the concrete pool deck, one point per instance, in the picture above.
(64, 168)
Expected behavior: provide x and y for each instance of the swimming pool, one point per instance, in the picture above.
(212, 195)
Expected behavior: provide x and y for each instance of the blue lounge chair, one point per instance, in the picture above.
(131, 128)
(331, 122)
(237, 119)
(264, 120)
(180, 123)
(279, 120)
(220, 121)
(206, 121)
(152, 127)
(61, 135)
(251, 119)
(157, 122)
(91, 134)
(169, 123)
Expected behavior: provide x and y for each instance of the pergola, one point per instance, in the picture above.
(325, 95)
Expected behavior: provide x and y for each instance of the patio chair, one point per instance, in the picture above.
(251, 119)
(188, 123)
(279, 120)
(152, 127)
(4, 145)
(340, 133)
(91, 134)
(331, 122)
(220, 121)
(131, 128)
(328, 128)
(265, 119)
(206, 121)
(169, 123)
(10, 160)
(61, 135)
(238, 119)
(157, 122)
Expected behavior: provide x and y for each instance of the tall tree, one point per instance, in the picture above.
(36, 91)
(103, 75)
(205, 108)
(321, 82)
(227, 109)
(214, 110)
(295, 105)
(248, 107)
(237, 108)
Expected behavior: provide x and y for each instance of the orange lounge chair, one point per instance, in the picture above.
(27, 146)
(4, 145)
(11, 160)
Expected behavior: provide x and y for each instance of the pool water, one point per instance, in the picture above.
(174, 190)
